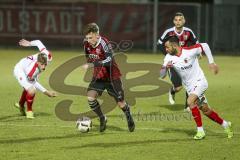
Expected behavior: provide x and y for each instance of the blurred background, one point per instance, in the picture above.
(59, 23)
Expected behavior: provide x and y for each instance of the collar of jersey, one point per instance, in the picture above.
(177, 32)
(99, 40)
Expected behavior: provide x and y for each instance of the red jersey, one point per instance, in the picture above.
(186, 37)
(101, 56)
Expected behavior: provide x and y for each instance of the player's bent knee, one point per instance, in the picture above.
(121, 104)
(177, 89)
(190, 103)
(93, 103)
(91, 98)
(92, 94)
(206, 110)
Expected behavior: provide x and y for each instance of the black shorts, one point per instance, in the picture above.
(175, 78)
(114, 88)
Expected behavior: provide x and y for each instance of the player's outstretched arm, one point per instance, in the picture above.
(37, 43)
(44, 90)
(213, 67)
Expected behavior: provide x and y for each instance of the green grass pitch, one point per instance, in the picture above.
(49, 138)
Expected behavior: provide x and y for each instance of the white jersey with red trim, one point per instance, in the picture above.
(29, 64)
(186, 64)
(30, 67)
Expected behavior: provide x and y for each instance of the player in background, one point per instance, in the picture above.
(106, 74)
(186, 38)
(185, 61)
(27, 71)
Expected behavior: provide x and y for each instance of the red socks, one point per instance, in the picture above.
(29, 99)
(23, 98)
(215, 117)
(197, 116)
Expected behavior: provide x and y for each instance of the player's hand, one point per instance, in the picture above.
(169, 64)
(24, 43)
(50, 93)
(85, 66)
(214, 68)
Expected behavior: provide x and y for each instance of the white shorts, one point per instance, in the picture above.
(198, 88)
(22, 78)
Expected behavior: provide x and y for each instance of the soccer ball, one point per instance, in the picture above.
(84, 124)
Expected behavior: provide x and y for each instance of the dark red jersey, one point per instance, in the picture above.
(101, 56)
(186, 37)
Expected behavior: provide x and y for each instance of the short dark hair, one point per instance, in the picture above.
(179, 14)
(91, 27)
(42, 58)
(171, 39)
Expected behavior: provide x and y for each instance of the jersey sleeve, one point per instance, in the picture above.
(107, 48)
(193, 38)
(42, 49)
(167, 58)
(38, 86)
(207, 51)
(164, 35)
(161, 41)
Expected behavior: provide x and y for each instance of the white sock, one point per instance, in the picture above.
(224, 124)
(200, 129)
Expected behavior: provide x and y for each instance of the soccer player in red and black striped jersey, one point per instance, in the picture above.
(186, 38)
(106, 74)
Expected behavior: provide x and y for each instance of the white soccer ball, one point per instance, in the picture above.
(84, 124)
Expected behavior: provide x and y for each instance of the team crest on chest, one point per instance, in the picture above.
(186, 60)
(185, 37)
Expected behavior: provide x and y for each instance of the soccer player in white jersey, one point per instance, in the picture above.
(186, 38)
(185, 61)
(27, 71)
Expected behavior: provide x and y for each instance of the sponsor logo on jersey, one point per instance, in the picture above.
(93, 56)
(186, 67)
(181, 43)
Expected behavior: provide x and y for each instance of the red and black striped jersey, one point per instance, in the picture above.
(101, 55)
(186, 37)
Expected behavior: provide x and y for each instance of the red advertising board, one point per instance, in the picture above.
(62, 23)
